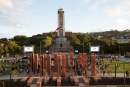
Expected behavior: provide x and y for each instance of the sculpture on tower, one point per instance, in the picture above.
(61, 44)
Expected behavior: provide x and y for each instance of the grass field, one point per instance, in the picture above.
(109, 66)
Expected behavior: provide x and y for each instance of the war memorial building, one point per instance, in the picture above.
(62, 67)
(61, 44)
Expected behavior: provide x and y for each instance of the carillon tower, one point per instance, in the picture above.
(61, 23)
(61, 44)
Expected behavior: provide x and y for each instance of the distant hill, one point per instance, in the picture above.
(113, 33)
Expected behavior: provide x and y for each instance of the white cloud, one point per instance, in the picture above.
(95, 4)
(15, 12)
(116, 13)
(120, 13)
(110, 8)
(121, 8)
(6, 4)
(121, 24)
(113, 12)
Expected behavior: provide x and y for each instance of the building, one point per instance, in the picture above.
(122, 39)
(61, 44)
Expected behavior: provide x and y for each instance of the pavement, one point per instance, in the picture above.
(124, 59)
(5, 77)
(22, 75)
(113, 75)
(18, 76)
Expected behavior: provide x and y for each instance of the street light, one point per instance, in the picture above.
(124, 72)
(83, 45)
(115, 69)
(40, 47)
(76, 51)
(120, 50)
(47, 51)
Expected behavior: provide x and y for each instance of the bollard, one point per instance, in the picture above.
(54, 78)
(24, 79)
(71, 79)
(39, 82)
(76, 81)
(86, 81)
(29, 81)
(59, 81)
(46, 79)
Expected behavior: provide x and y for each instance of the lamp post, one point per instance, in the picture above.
(115, 69)
(119, 50)
(40, 47)
(124, 72)
(83, 46)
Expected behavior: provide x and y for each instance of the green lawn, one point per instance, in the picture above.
(6, 67)
(120, 66)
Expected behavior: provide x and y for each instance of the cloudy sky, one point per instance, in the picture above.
(29, 17)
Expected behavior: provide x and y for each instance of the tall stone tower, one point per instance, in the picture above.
(61, 44)
(61, 23)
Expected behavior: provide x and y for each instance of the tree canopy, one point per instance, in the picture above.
(79, 41)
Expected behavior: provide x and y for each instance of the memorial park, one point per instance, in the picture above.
(65, 58)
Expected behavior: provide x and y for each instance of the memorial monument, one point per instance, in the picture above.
(61, 44)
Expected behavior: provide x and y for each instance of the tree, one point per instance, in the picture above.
(20, 39)
(13, 47)
(9, 47)
(74, 40)
(47, 42)
(1, 49)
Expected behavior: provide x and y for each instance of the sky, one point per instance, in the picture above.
(31, 17)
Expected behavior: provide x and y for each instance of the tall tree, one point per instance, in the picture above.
(47, 42)
(20, 39)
